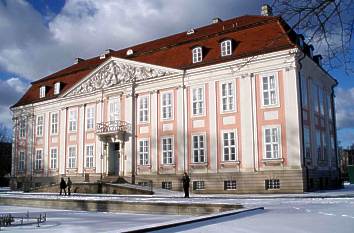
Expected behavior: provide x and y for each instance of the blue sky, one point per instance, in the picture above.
(39, 37)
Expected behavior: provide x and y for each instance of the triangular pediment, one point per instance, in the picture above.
(117, 71)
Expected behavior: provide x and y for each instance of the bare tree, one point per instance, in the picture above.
(4, 133)
(326, 23)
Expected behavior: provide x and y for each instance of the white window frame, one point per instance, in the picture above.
(115, 114)
(144, 155)
(229, 147)
(39, 127)
(42, 91)
(167, 151)
(315, 98)
(198, 149)
(197, 54)
(228, 97)
(53, 158)
(198, 101)
(143, 115)
(226, 48)
(90, 117)
(73, 115)
(170, 114)
(54, 124)
(57, 86)
(272, 143)
(38, 162)
(21, 160)
(22, 128)
(230, 184)
(72, 159)
(90, 156)
(198, 185)
(321, 95)
(269, 90)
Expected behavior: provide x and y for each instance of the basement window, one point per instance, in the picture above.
(272, 184)
(167, 185)
(42, 91)
(230, 185)
(198, 185)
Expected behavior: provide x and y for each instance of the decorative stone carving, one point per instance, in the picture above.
(114, 73)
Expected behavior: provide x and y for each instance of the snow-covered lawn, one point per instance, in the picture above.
(322, 212)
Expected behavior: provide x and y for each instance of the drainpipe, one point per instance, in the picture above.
(184, 121)
(302, 122)
(133, 131)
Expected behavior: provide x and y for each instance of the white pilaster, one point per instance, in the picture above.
(62, 149)
(81, 147)
(99, 151)
(127, 146)
(153, 139)
(254, 123)
(180, 133)
(213, 150)
(46, 142)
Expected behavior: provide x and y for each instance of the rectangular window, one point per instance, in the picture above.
(315, 91)
(167, 106)
(272, 184)
(198, 149)
(304, 92)
(21, 161)
(113, 109)
(72, 157)
(89, 156)
(144, 152)
(228, 96)
(22, 132)
(269, 87)
(54, 123)
(167, 150)
(57, 88)
(230, 185)
(229, 146)
(53, 158)
(40, 122)
(38, 160)
(197, 54)
(321, 101)
(198, 185)
(144, 109)
(318, 144)
(226, 48)
(198, 101)
(329, 107)
(166, 185)
(271, 142)
(72, 120)
(324, 146)
(90, 116)
(307, 142)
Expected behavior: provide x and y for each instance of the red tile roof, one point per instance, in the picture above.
(253, 35)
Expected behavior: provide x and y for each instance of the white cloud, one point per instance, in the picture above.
(85, 28)
(345, 108)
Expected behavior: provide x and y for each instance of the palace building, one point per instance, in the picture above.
(242, 105)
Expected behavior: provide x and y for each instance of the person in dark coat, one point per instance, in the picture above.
(62, 186)
(69, 184)
(185, 181)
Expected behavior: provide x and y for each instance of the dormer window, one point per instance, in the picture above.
(57, 88)
(42, 92)
(197, 54)
(226, 48)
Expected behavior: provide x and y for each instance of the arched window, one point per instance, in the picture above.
(197, 54)
(226, 48)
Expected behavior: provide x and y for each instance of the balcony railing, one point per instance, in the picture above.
(113, 127)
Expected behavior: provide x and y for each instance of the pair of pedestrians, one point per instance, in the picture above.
(64, 185)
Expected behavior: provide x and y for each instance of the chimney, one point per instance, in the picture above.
(106, 52)
(318, 59)
(216, 20)
(266, 10)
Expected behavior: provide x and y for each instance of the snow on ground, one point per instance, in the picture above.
(322, 212)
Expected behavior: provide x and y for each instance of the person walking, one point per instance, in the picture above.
(62, 186)
(69, 184)
(185, 181)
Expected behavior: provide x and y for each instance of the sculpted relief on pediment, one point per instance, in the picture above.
(115, 73)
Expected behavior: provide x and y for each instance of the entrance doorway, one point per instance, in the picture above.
(113, 158)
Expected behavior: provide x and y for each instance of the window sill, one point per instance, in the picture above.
(270, 106)
(273, 161)
(90, 169)
(198, 165)
(144, 167)
(167, 166)
(227, 164)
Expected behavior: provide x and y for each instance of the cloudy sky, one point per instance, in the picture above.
(38, 37)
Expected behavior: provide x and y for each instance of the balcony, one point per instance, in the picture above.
(113, 127)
